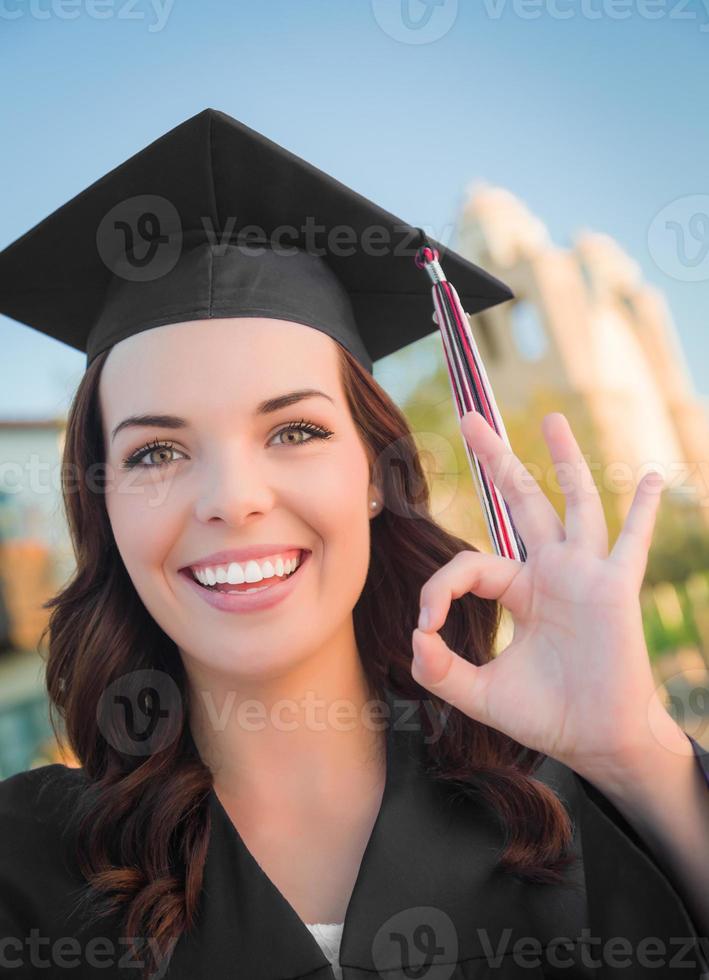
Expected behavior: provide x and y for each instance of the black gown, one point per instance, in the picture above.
(427, 903)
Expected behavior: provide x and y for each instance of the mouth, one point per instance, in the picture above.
(247, 588)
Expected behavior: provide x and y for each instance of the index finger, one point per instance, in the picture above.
(532, 512)
(487, 576)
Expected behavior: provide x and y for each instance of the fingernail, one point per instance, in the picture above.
(424, 618)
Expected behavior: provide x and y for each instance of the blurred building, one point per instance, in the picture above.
(35, 552)
(35, 558)
(585, 324)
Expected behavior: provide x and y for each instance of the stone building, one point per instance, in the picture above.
(586, 328)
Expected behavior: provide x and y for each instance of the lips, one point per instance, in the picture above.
(248, 602)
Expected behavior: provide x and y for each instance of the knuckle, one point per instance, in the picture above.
(464, 555)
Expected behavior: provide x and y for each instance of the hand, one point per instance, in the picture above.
(575, 682)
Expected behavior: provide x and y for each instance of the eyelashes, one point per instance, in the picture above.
(313, 431)
(135, 458)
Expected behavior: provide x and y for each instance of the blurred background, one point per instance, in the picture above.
(561, 145)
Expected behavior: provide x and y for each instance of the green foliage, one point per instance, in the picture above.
(669, 618)
(680, 544)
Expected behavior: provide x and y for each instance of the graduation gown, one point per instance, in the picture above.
(427, 902)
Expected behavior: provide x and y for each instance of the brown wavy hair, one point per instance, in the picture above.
(143, 821)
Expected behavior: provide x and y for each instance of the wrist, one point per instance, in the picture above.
(639, 766)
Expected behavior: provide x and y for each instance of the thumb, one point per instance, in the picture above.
(447, 675)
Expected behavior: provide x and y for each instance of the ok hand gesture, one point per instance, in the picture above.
(575, 681)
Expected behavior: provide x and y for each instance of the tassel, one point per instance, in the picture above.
(471, 391)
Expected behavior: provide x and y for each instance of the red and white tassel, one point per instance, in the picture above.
(471, 390)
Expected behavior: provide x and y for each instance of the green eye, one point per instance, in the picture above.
(314, 431)
(136, 457)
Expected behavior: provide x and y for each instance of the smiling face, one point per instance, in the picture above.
(235, 475)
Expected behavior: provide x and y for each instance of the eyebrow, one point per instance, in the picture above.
(176, 422)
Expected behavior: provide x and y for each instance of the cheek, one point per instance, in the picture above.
(338, 511)
(143, 527)
(333, 498)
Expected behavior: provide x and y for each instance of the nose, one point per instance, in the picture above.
(233, 486)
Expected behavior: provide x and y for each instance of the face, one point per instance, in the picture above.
(232, 477)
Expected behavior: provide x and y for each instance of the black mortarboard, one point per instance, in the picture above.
(134, 250)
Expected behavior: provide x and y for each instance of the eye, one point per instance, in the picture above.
(314, 432)
(135, 458)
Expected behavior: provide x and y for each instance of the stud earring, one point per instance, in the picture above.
(374, 503)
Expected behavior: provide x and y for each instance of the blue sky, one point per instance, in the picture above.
(596, 119)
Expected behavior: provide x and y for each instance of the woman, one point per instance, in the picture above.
(260, 769)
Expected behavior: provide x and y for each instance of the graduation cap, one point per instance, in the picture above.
(213, 219)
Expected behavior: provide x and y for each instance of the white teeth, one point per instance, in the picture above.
(251, 571)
